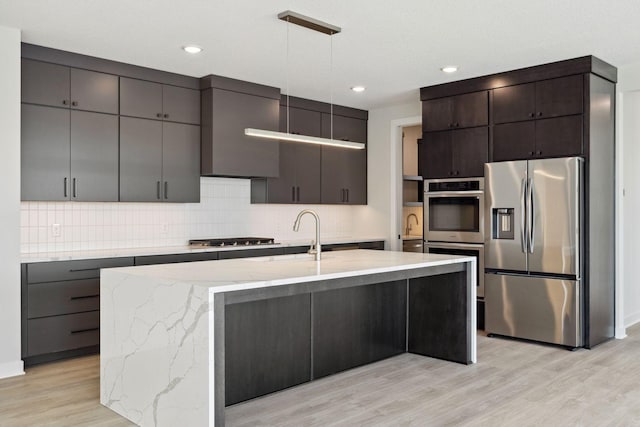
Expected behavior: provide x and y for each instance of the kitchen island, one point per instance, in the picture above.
(180, 341)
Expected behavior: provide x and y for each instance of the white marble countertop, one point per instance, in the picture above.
(166, 250)
(253, 273)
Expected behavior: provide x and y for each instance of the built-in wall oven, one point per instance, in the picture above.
(454, 210)
(454, 223)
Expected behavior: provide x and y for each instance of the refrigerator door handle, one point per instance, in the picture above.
(530, 214)
(523, 209)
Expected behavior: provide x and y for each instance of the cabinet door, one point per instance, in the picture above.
(437, 114)
(471, 109)
(301, 121)
(92, 91)
(181, 162)
(470, 148)
(226, 150)
(335, 175)
(45, 84)
(559, 97)
(356, 185)
(267, 346)
(283, 188)
(140, 160)
(45, 161)
(514, 141)
(307, 173)
(344, 128)
(181, 104)
(559, 137)
(139, 98)
(94, 157)
(514, 103)
(376, 317)
(436, 152)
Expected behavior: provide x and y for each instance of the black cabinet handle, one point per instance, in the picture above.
(166, 116)
(79, 331)
(456, 173)
(532, 114)
(344, 197)
(65, 102)
(347, 190)
(293, 193)
(539, 113)
(74, 103)
(76, 270)
(158, 195)
(539, 153)
(456, 124)
(298, 194)
(531, 153)
(85, 297)
(65, 186)
(159, 115)
(166, 190)
(75, 188)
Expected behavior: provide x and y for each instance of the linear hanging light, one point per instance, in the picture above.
(322, 27)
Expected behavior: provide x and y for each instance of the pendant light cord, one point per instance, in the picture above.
(331, 82)
(287, 75)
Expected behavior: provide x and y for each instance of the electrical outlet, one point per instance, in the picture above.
(164, 228)
(55, 230)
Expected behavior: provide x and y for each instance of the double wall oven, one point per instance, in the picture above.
(454, 220)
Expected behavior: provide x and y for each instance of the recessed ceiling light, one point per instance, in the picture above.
(358, 88)
(449, 69)
(192, 49)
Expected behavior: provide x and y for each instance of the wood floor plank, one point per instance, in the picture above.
(513, 384)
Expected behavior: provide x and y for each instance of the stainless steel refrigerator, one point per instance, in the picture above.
(533, 241)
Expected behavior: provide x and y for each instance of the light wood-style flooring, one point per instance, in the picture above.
(513, 384)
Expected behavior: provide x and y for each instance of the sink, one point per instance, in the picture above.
(278, 258)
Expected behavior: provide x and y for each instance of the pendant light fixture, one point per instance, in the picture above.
(322, 27)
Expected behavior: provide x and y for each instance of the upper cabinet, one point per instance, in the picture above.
(460, 111)
(344, 170)
(98, 136)
(229, 107)
(150, 100)
(60, 86)
(455, 139)
(538, 100)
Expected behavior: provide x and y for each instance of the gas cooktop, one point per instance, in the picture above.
(234, 241)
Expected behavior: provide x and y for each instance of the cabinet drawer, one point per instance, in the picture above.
(59, 333)
(53, 298)
(72, 270)
(168, 259)
(249, 253)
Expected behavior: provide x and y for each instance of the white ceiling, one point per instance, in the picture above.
(392, 48)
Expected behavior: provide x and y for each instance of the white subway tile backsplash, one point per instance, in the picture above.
(224, 211)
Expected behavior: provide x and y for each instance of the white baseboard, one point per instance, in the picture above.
(11, 369)
(632, 319)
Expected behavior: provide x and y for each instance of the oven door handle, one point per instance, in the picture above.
(441, 245)
(453, 193)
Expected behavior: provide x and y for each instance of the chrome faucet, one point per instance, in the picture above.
(408, 230)
(296, 227)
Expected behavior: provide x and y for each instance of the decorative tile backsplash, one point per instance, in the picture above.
(224, 211)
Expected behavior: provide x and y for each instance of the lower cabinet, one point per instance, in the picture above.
(267, 346)
(277, 343)
(61, 308)
(427, 334)
(356, 326)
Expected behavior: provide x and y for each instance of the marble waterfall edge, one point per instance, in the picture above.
(147, 362)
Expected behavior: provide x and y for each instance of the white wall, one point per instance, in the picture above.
(384, 165)
(10, 363)
(628, 132)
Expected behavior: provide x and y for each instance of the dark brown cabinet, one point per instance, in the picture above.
(538, 100)
(460, 111)
(150, 100)
(299, 178)
(344, 170)
(456, 153)
(555, 137)
(267, 346)
(60, 86)
(159, 161)
(68, 155)
(61, 303)
(228, 108)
